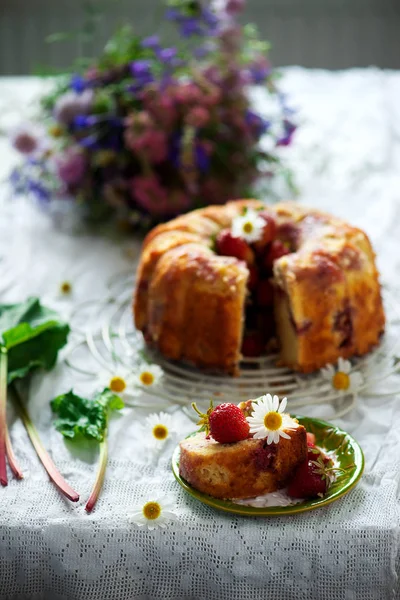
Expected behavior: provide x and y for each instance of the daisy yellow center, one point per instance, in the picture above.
(248, 227)
(117, 384)
(66, 287)
(272, 421)
(152, 510)
(160, 432)
(56, 131)
(146, 378)
(341, 381)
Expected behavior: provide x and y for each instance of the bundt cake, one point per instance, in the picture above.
(206, 295)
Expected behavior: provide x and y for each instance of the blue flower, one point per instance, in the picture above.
(40, 191)
(82, 121)
(202, 158)
(78, 83)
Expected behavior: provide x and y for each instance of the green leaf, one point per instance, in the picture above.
(83, 417)
(32, 334)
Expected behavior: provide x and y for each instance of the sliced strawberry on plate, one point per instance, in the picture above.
(310, 479)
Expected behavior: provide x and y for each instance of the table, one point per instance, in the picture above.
(347, 159)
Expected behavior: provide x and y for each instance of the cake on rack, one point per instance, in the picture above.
(227, 281)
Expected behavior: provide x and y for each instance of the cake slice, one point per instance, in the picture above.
(244, 469)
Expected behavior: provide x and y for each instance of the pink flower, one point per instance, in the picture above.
(198, 117)
(150, 195)
(214, 191)
(153, 197)
(151, 144)
(233, 7)
(70, 105)
(27, 139)
(71, 165)
(188, 93)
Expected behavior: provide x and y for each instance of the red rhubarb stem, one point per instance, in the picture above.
(11, 458)
(3, 414)
(45, 459)
(100, 475)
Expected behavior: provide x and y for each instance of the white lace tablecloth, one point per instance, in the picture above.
(347, 159)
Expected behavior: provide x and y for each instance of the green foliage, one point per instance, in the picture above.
(33, 334)
(83, 417)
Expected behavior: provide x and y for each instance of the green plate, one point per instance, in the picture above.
(328, 437)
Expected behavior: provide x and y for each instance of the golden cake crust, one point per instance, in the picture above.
(242, 469)
(189, 302)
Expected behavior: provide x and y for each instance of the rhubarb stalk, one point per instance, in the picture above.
(11, 458)
(100, 475)
(48, 464)
(3, 414)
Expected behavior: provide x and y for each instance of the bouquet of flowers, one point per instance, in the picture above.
(148, 131)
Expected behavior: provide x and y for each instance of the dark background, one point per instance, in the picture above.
(331, 34)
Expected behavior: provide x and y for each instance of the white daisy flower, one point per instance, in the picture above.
(340, 378)
(65, 288)
(249, 226)
(268, 419)
(147, 377)
(119, 380)
(155, 512)
(161, 427)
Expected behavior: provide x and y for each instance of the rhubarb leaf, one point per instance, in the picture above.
(85, 417)
(33, 334)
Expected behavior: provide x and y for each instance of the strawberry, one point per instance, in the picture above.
(253, 278)
(252, 344)
(275, 251)
(228, 424)
(269, 231)
(310, 479)
(265, 293)
(228, 245)
(310, 440)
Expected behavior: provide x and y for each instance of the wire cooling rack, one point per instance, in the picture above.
(104, 332)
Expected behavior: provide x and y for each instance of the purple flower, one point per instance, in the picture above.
(71, 165)
(257, 123)
(172, 14)
(70, 105)
(210, 18)
(289, 129)
(190, 26)
(166, 55)
(78, 83)
(152, 42)
(259, 74)
(140, 68)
